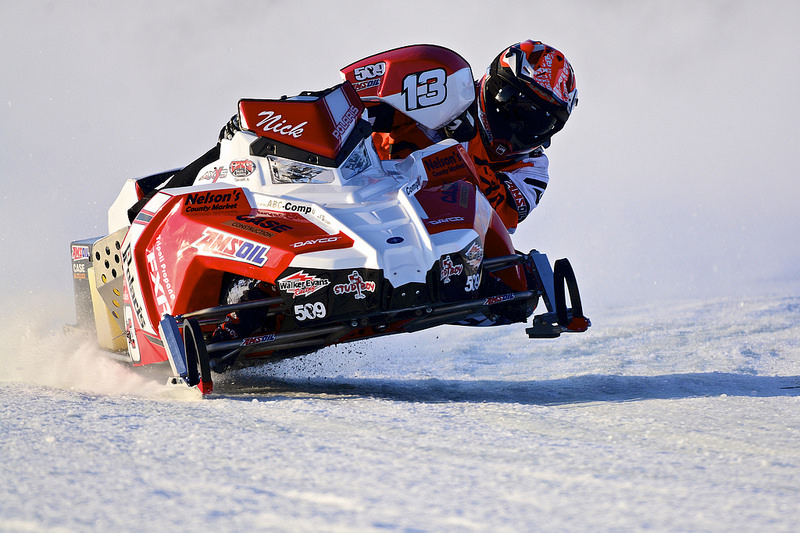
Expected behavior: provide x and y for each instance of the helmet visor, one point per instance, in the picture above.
(516, 119)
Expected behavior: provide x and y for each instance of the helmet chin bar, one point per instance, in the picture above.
(509, 145)
(539, 140)
(503, 108)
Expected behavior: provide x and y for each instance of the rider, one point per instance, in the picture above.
(525, 97)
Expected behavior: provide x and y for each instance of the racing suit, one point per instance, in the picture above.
(513, 186)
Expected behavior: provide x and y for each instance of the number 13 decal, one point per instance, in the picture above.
(425, 89)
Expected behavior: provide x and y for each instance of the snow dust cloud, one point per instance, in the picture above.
(36, 349)
(674, 178)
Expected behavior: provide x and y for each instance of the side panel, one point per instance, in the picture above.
(180, 246)
(319, 125)
(431, 84)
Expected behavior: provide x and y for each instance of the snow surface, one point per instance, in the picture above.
(677, 418)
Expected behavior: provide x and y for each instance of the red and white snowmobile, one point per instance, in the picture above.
(291, 235)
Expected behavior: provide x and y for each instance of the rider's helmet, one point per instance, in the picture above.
(525, 97)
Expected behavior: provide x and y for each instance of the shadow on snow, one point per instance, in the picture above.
(570, 390)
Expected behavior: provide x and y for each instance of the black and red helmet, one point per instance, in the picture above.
(525, 97)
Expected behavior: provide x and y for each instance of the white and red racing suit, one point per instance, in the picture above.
(514, 186)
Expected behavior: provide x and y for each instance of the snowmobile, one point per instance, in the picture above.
(292, 235)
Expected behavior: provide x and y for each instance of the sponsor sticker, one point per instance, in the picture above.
(441, 161)
(450, 269)
(266, 223)
(79, 270)
(215, 243)
(216, 173)
(295, 209)
(159, 278)
(242, 168)
(499, 298)
(412, 188)
(309, 311)
(302, 284)
(520, 202)
(356, 286)
(249, 341)
(364, 85)
(251, 229)
(375, 70)
(311, 242)
(343, 113)
(79, 253)
(133, 286)
(288, 206)
(474, 255)
(447, 220)
(212, 202)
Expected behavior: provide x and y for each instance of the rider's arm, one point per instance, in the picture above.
(525, 182)
(395, 135)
